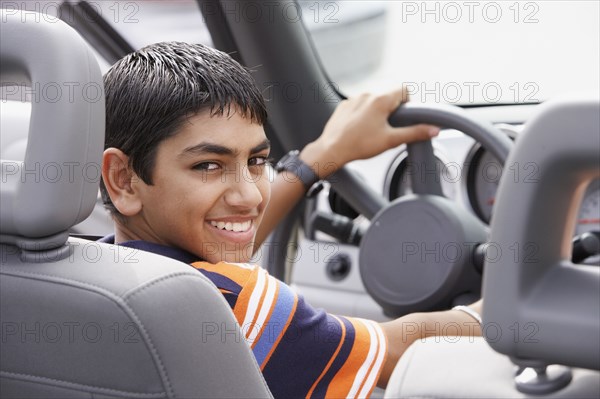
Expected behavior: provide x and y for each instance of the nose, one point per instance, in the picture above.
(243, 192)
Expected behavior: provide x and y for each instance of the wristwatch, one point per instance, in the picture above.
(291, 162)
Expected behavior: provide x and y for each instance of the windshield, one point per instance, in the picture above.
(459, 52)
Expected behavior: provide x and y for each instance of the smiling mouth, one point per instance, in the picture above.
(236, 227)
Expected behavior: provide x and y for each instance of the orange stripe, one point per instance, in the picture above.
(236, 273)
(241, 305)
(262, 329)
(342, 382)
(283, 331)
(309, 394)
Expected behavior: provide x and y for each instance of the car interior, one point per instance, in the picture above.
(504, 205)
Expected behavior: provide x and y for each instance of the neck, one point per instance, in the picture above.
(128, 231)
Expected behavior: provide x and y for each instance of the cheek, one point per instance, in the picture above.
(202, 200)
(176, 208)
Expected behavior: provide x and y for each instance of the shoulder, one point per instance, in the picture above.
(254, 296)
(224, 272)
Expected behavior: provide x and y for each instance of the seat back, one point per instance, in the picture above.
(80, 318)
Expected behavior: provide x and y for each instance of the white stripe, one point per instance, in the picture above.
(253, 302)
(264, 309)
(247, 266)
(364, 368)
(380, 355)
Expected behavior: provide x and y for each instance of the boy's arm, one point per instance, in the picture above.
(358, 129)
(402, 332)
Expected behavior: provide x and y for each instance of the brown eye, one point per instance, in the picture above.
(206, 166)
(259, 161)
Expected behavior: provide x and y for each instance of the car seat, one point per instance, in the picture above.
(81, 318)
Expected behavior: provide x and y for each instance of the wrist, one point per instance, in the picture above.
(474, 314)
(294, 169)
(319, 156)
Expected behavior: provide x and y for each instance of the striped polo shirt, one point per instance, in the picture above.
(301, 351)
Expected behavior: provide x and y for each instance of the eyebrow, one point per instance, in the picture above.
(211, 148)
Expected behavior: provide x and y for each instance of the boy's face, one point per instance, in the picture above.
(210, 189)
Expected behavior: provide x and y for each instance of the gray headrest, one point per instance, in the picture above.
(55, 187)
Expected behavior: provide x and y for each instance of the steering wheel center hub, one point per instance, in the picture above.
(417, 253)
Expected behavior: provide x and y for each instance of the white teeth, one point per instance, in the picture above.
(235, 227)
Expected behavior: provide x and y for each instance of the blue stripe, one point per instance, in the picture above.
(221, 281)
(339, 361)
(275, 325)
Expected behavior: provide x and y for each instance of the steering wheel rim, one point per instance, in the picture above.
(367, 202)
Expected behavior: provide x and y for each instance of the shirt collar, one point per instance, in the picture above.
(170, 252)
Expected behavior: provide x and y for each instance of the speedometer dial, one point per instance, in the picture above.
(588, 218)
(481, 177)
(483, 180)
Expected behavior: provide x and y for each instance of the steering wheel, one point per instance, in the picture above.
(418, 252)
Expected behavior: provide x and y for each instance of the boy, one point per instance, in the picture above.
(184, 176)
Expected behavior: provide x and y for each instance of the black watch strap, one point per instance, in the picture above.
(291, 162)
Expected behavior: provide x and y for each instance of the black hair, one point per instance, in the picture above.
(150, 93)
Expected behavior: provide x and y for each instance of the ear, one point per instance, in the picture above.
(118, 178)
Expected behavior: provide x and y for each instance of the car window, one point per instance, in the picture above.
(146, 22)
(462, 52)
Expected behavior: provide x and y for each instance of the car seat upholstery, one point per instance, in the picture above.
(80, 318)
(540, 311)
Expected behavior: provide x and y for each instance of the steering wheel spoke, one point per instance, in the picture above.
(359, 195)
(425, 176)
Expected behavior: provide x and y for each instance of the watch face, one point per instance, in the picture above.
(280, 165)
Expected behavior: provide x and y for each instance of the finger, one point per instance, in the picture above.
(405, 95)
(410, 134)
(397, 97)
(343, 104)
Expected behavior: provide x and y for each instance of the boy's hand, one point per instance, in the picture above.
(359, 129)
